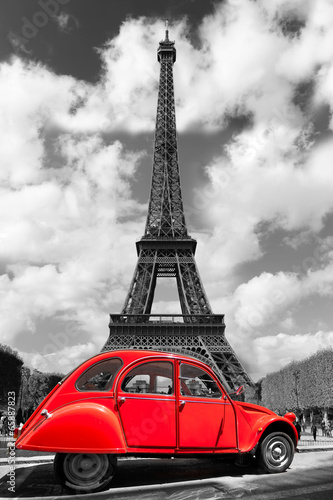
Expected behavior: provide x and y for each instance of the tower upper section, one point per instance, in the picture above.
(166, 48)
(166, 213)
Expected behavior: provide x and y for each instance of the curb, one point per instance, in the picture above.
(307, 449)
(28, 460)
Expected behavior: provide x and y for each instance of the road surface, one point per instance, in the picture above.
(309, 478)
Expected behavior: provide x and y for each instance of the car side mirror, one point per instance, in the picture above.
(237, 392)
(240, 390)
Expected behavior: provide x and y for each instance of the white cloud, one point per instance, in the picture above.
(60, 361)
(268, 185)
(33, 100)
(66, 209)
(271, 299)
(264, 300)
(270, 354)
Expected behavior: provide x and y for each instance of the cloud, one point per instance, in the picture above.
(66, 22)
(33, 100)
(267, 176)
(237, 39)
(271, 299)
(270, 354)
(262, 315)
(268, 186)
(264, 300)
(277, 152)
(18, 43)
(232, 37)
(61, 361)
(66, 210)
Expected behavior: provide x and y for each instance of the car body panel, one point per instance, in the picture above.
(149, 421)
(77, 427)
(258, 420)
(206, 424)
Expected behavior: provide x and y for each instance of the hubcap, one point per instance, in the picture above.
(85, 470)
(277, 453)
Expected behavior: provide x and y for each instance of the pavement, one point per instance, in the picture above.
(307, 443)
(309, 478)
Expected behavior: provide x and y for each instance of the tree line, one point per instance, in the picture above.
(30, 386)
(300, 386)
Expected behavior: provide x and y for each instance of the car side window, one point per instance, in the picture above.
(197, 382)
(154, 377)
(100, 376)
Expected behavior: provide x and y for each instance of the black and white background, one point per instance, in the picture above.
(254, 100)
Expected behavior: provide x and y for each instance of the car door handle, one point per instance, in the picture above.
(182, 403)
(120, 402)
(46, 413)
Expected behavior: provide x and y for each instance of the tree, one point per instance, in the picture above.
(10, 373)
(36, 386)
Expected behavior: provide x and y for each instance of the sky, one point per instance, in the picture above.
(78, 93)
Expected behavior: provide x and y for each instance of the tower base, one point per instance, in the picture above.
(199, 336)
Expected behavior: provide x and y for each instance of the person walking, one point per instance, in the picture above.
(5, 426)
(298, 428)
(314, 431)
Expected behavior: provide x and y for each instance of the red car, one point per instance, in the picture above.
(147, 403)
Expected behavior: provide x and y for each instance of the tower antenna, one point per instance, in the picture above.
(166, 29)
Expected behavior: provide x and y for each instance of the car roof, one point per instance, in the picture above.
(130, 355)
(134, 354)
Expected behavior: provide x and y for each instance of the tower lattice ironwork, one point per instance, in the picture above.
(167, 250)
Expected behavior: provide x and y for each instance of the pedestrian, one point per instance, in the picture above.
(298, 428)
(314, 431)
(19, 417)
(5, 426)
(329, 432)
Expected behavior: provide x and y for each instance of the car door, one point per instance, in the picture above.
(206, 418)
(147, 404)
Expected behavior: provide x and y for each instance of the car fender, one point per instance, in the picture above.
(75, 428)
(266, 425)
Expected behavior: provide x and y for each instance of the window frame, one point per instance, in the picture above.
(114, 375)
(142, 363)
(214, 379)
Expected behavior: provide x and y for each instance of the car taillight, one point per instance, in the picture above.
(17, 433)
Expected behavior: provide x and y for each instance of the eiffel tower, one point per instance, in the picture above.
(167, 250)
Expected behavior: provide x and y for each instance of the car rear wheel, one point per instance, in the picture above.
(85, 472)
(276, 452)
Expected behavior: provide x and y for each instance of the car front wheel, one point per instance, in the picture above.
(276, 452)
(85, 472)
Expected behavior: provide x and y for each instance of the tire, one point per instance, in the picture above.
(276, 452)
(85, 472)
